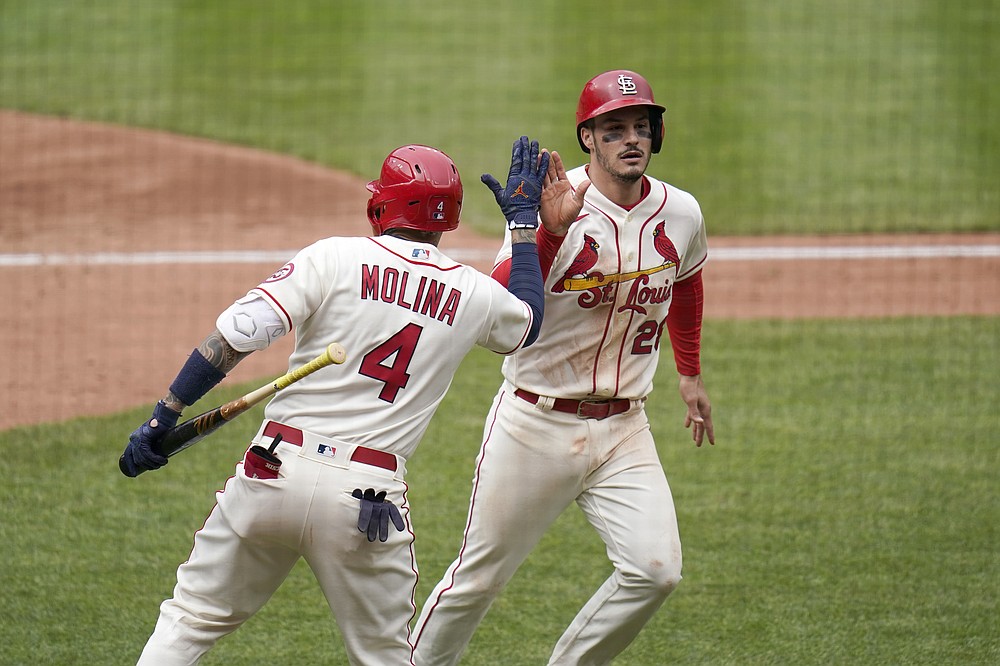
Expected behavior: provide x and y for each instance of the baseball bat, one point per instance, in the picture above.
(194, 430)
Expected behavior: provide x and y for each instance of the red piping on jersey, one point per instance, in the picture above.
(663, 205)
(647, 190)
(274, 300)
(611, 314)
(644, 191)
(621, 354)
(531, 319)
(691, 270)
(410, 260)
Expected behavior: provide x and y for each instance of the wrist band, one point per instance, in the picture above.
(195, 379)
(523, 220)
(164, 416)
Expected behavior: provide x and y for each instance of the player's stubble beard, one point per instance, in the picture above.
(623, 173)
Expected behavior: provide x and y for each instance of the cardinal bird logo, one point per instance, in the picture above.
(581, 265)
(664, 247)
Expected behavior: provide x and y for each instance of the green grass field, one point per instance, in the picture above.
(783, 116)
(847, 515)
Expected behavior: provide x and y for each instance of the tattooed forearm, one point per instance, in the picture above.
(522, 236)
(217, 351)
(171, 401)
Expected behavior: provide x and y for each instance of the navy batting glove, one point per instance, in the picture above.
(141, 453)
(376, 513)
(522, 196)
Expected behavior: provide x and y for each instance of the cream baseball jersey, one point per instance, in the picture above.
(406, 314)
(620, 264)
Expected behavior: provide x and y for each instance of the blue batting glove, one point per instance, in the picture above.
(520, 199)
(141, 453)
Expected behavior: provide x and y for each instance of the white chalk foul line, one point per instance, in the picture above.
(852, 252)
(469, 255)
(146, 258)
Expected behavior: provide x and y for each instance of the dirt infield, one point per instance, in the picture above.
(98, 319)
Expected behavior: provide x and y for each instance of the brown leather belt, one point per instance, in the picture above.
(585, 409)
(361, 454)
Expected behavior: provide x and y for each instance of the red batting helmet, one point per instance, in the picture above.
(614, 90)
(419, 188)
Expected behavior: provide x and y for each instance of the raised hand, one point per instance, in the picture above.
(560, 204)
(520, 198)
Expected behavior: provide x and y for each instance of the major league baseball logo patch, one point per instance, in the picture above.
(421, 254)
(327, 451)
(281, 273)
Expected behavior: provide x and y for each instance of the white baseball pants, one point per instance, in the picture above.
(532, 465)
(256, 533)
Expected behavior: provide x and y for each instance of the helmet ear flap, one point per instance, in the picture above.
(374, 208)
(658, 129)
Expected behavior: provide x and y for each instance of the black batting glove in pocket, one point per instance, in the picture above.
(376, 513)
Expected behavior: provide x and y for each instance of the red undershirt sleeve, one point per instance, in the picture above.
(548, 245)
(684, 324)
(501, 272)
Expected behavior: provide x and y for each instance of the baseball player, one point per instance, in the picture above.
(324, 476)
(622, 255)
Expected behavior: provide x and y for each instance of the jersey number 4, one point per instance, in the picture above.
(393, 374)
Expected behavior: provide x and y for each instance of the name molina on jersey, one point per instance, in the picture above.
(427, 297)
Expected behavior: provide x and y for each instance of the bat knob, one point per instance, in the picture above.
(123, 467)
(336, 352)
